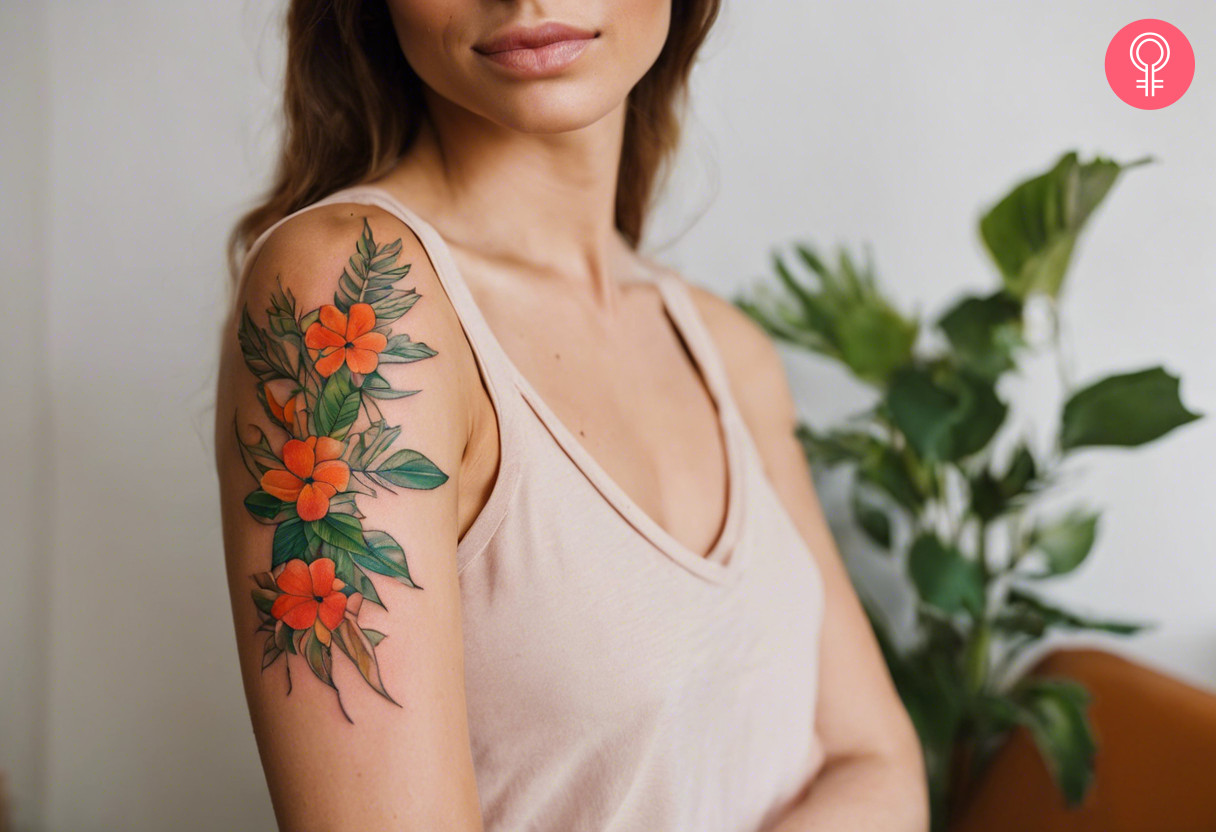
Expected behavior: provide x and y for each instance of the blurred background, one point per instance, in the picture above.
(134, 132)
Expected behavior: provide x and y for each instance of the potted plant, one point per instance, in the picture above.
(944, 481)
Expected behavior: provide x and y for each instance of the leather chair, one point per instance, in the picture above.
(1155, 767)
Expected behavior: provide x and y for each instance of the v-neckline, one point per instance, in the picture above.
(723, 563)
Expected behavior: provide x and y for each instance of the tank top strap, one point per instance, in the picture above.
(700, 341)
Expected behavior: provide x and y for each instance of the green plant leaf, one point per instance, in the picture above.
(923, 411)
(874, 340)
(1065, 542)
(979, 417)
(1031, 233)
(984, 332)
(888, 470)
(410, 469)
(1026, 613)
(1124, 410)
(338, 406)
(833, 447)
(944, 577)
(872, 519)
(1054, 710)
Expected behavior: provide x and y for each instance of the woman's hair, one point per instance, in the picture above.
(352, 106)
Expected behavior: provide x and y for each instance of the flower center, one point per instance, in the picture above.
(349, 345)
(308, 480)
(317, 598)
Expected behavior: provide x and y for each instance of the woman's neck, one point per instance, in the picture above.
(545, 202)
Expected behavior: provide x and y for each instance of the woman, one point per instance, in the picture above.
(532, 543)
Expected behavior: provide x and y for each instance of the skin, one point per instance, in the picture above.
(519, 177)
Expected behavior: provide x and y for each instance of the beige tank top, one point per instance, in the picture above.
(616, 680)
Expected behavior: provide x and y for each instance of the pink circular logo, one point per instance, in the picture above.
(1150, 64)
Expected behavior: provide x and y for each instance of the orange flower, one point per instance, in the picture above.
(312, 597)
(338, 338)
(314, 474)
(285, 413)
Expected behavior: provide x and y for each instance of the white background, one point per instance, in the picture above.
(133, 132)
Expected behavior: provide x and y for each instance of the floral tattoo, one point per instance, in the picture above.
(319, 379)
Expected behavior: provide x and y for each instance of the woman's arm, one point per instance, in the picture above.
(346, 602)
(873, 777)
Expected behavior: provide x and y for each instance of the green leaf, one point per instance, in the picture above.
(410, 469)
(384, 556)
(944, 577)
(874, 340)
(1027, 613)
(338, 406)
(289, 542)
(344, 531)
(872, 519)
(377, 386)
(833, 447)
(1124, 410)
(401, 349)
(945, 415)
(923, 411)
(984, 332)
(887, 470)
(1031, 233)
(1066, 542)
(1054, 710)
(374, 636)
(267, 507)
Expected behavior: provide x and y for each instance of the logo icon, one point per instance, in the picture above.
(1149, 64)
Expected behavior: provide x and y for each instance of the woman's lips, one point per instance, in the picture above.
(541, 60)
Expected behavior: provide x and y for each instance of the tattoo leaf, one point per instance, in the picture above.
(385, 556)
(338, 405)
(410, 469)
(356, 645)
(289, 541)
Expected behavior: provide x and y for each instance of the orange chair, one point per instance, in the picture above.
(1155, 768)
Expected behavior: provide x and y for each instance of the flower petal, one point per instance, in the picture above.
(282, 484)
(361, 361)
(295, 579)
(329, 448)
(332, 472)
(374, 341)
(332, 318)
(327, 365)
(318, 336)
(276, 410)
(313, 502)
(322, 633)
(322, 572)
(298, 457)
(362, 319)
(302, 616)
(284, 604)
(333, 610)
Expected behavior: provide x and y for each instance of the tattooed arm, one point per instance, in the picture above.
(342, 418)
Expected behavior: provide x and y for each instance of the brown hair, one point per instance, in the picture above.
(352, 106)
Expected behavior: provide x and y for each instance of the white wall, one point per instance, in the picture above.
(143, 126)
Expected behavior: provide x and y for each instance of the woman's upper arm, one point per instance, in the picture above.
(859, 710)
(341, 422)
